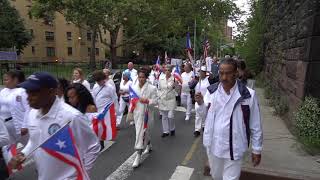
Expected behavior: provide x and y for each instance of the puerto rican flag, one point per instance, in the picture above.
(167, 59)
(158, 64)
(177, 75)
(10, 151)
(206, 46)
(134, 98)
(145, 124)
(104, 124)
(188, 47)
(62, 146)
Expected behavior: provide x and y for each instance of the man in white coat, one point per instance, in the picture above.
(233, 121)
(186, 99)
(48, 115)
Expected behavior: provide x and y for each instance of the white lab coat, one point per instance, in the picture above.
(166, 94)
(217, 127)
(40, 126)
(150, 92)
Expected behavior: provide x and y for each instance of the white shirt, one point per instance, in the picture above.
(109, 81)
(125, 88)
(42, 126)
(186, 78)
(6, 96)
(102, 95)
(84, 82)
(202, 86)
(4, 136)
(217, 132)
(20, 108)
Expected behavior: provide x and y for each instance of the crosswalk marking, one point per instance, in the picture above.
(182, 173)
(126, 169)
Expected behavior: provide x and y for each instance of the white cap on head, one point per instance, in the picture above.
(203, 68)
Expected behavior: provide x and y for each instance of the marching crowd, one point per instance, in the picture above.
(34, 110)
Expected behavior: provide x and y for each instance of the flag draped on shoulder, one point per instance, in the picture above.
(62, 146)
(158, 64)
(134, 98)
(104, 124)
(177, 75)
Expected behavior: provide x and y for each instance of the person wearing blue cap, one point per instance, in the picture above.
(47, 116)
(124, 95)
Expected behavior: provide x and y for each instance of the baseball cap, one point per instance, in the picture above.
(203, 68)
(39, 80)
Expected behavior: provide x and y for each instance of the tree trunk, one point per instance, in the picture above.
(113, 46)
(92, 63)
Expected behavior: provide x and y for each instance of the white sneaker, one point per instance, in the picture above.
(131, 123)
(187, 118)
(136, 161)
(148, 149)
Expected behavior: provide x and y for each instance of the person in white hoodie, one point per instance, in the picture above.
(233, 121)
(48, 115)
(4, 141)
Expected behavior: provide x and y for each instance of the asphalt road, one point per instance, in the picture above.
(168, 153)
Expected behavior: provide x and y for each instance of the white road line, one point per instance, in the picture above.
(182, 173)
(126, 169)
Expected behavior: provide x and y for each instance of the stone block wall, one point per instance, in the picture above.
(292, 48)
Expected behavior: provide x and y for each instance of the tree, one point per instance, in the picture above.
(12, 30)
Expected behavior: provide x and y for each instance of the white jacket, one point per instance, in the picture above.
(150, 92)
(4, 136)
(166, 94)
(223, 110)
(42, 126)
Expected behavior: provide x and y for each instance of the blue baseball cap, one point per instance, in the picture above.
(39, 80)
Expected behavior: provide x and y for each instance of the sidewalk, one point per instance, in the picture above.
(282, 155)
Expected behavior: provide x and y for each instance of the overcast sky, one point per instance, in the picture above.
(244, 6)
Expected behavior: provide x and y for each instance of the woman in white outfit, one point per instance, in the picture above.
(143, 113)
(124, 95)
(167, 101)
(78, 77)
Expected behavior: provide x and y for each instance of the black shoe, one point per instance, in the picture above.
(165, 135)
(173, 133)
(196, 133)
(203, 129)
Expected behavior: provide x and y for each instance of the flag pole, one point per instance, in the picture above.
(194, 40)
(28, 156)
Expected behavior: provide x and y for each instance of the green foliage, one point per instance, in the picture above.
(307, 121)
(249, 43)
(12, 30)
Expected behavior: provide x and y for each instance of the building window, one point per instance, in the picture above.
(31, 32)
(97, 51)
(49, 36)
(33, 50)
(69, 36)
(69, 51)
(89, 51)
(89, 35)
(51, 52)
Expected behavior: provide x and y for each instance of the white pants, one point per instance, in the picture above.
(186, 101)
(167, 121)
(224, 169)
(201, 114)
(122, 107)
